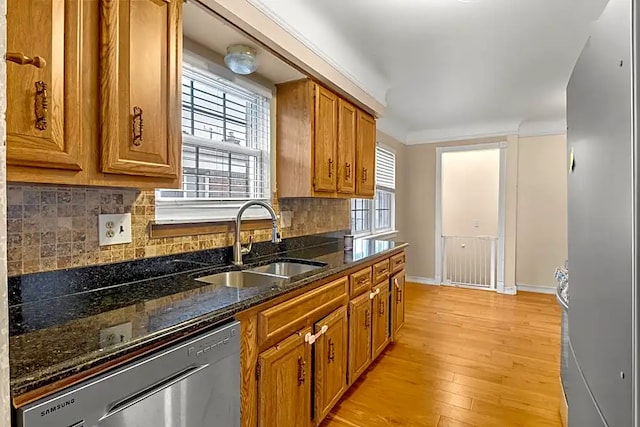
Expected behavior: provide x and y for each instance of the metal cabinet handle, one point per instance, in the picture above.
(331, 351)
(302, 372)
(330, 168)
(137, 125)
(348, 167)
(364, 175)
(363, 280)
(367, 319)
(22, 59)
(381, 308)
(41, 105)
(398, 290)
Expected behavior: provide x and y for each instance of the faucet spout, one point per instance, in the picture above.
(238, 250)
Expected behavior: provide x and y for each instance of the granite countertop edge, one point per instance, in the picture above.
(25, 384)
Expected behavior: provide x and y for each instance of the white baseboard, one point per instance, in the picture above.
(510, 291)
(535, 288)
(422, 280)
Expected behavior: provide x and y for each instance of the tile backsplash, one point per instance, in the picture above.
(54, 227)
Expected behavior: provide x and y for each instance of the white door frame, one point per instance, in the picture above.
(502, 184)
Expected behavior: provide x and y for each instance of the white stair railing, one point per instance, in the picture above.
(469, 261)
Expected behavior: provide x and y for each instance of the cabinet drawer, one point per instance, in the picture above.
(397, 262)
(381, 271)
(290, 315)
(360, 281)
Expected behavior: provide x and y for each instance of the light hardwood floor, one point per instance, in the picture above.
(464, 358)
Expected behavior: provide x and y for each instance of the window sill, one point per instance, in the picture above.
(382, 235)
(160, 230)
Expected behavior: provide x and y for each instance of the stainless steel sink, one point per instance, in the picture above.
(242, 279)
(285, 268)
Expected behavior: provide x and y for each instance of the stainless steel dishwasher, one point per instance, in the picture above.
(192, 384)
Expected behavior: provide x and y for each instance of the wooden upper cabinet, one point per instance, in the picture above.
(317, 135)
(284, 383)
(330, 362)
(398, 301)
(359, 336)
(380, 333)
(325, 139)
(44, 116)
(346, 147)
(365, 155)
(140, 66)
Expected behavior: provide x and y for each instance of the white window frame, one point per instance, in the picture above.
(374, 232)
(181, 210)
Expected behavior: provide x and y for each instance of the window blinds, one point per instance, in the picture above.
(385, 168)
(226, 140)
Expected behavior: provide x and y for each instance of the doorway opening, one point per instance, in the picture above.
(470, 216)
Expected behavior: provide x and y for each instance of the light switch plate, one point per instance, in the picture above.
(114, 229)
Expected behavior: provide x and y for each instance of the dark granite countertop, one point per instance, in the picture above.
(56, 318)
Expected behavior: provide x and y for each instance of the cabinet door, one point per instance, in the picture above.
(346, 147)
(140, 54)
(44, 115)
(365, 155)
(330, 362)
(380, 333)
(284, 384)
(397, 283)
(325, 139)
(359, 336)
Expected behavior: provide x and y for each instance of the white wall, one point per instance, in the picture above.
(542, 209)
(470, 192)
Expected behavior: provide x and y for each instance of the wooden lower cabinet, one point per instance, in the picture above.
(330, 362)
(284, 383)
(359, 335)
(398, 301)
(380, 332)
(309, 348)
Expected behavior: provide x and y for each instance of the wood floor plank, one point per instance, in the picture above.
(464, 358)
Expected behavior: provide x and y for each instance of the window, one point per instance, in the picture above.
(377, 215)
(225, 149)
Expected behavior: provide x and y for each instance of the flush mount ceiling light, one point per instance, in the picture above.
(241, 59)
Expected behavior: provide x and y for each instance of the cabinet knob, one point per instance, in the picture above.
(22, 59)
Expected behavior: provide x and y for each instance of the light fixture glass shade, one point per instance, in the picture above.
(241, 59)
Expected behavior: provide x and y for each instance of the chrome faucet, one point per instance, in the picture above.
(238, 249)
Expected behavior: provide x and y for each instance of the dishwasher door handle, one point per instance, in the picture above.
(139, 396)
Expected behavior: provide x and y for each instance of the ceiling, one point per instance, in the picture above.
(450, 69)
(211, 32)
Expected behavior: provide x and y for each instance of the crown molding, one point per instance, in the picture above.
(483, 130)
(543, 128)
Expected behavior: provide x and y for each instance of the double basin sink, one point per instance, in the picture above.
(272, 274)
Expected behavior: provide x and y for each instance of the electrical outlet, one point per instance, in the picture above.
(115, 335)
(114, 229)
